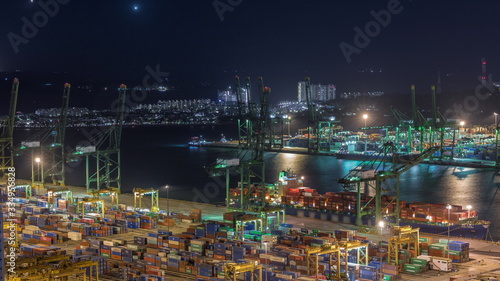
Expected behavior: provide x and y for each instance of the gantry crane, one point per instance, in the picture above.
(52, 193)
(400, 237)
(96, 206)
(337, 253)
(7, 133)
(49, 154)
(140, 192)
(251, 194)
(102, 151)
(54, 268)
(112, 192)
(434, 130)
(319, 133)
(276, 131)
(233, 270)
(381, 174)
(245, 114)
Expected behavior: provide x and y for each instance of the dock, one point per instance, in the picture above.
(484, 256)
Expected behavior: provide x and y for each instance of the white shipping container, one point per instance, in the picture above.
(133, 247)
(75, 236)
(109, 243)
(30, 143)
(85, 149)
(265, 256)
(284, 276)
(277, 259)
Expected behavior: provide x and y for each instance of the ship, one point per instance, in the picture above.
(443, 219)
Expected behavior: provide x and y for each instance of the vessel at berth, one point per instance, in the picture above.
(342, 206)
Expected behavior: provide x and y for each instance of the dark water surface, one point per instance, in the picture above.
(153, 157)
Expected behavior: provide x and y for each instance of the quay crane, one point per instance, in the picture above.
(378, 174)
(319, 131)
(252, 193)
(49, 154)
(7, 133)
(102, 152)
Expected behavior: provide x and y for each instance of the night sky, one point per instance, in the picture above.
(281, 40)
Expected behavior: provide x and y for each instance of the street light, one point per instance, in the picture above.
(365, 116)
(448, 243)
(381, 224)
(468, 210)
(38, 160)
(496, 138)
(168, 208)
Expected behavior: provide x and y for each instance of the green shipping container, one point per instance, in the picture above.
(423, 239)
(418, 261)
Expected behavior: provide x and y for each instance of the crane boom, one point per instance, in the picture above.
(6, 139)
(376, 174)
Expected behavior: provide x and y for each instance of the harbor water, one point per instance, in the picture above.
(155, 156)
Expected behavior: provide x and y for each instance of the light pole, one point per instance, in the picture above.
(448, 243)
(289, 122)
(381, 224)
(365, 116)
(462, 123)
(496, 139)
(168, 208)
(468, 211)
(38, 160)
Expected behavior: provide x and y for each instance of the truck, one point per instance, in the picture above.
(438, 263)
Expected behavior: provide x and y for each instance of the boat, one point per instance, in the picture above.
(443, 219)
(372, 155)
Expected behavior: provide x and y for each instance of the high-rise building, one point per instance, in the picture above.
(228, 97)
(319, 92)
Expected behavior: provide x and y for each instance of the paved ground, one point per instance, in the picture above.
(485, 256)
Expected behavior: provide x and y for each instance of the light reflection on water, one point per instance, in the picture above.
(422, 183)
(165, 159)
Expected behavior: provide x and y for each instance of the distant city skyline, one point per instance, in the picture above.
(357, 45)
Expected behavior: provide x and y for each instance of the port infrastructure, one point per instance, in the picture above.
(139, 194)
(102, 151)
(252, 193)
(381, 174)
(233, 270)
(47, 148)
(112, 192)
(7, 133)
(319, 129)
(52, 193)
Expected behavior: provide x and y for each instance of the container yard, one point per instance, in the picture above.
(207, 244)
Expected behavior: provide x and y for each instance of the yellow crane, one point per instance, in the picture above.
(140, 192)
(95, 204)
(52, 193)
(402, 236)
(113, 192)
(232, 270)
(338, 253)
(55, 268)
